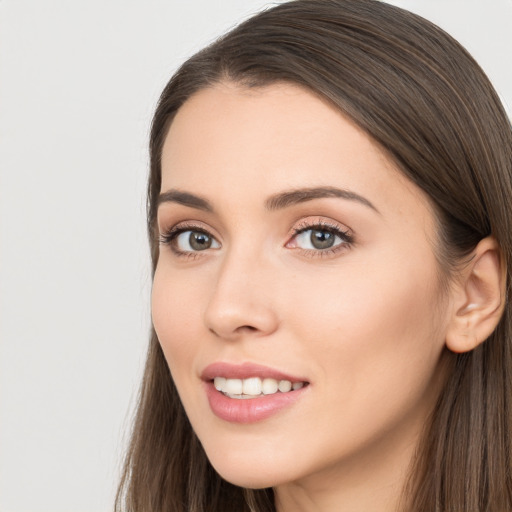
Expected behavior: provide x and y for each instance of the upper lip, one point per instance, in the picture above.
(245, 371)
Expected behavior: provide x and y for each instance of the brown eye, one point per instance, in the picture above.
(193, 241)
(319, 238)
(322, 239)
(199, 241)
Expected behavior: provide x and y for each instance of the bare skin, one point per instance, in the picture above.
(341, 289)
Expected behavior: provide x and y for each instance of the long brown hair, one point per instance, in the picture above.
(425, 101)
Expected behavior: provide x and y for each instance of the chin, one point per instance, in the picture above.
(250, 474)
(248, 480)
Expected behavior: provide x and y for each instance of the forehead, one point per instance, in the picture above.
(229, 140)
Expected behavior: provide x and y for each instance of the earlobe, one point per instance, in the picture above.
(478, 298)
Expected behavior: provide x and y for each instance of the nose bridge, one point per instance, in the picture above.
(241, 300)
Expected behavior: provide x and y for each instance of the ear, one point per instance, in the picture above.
(478, 298)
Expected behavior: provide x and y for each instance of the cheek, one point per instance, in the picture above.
(372, 329)
(175, 313)
(374, 354)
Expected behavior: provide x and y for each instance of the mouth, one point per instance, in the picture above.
(247, 393)
(254, 387)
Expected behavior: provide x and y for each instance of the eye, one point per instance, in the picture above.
(320, 238)
(184, 240)
(187, 241)
(317, 239)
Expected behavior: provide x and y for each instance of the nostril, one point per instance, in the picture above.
(249, 328)
(239, 330)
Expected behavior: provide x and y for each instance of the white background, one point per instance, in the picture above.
(78, 83)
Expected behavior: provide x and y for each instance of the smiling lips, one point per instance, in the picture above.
(248, 393)
(254, 386)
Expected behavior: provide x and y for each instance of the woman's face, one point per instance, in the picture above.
(294, 255)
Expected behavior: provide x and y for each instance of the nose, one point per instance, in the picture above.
(241, 304)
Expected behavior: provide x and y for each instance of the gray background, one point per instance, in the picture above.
(78, 83)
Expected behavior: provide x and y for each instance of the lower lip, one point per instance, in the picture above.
(249, 410)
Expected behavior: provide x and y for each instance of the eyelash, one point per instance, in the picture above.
(345, 235)
(168, 238)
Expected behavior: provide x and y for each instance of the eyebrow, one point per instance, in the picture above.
(301, 195)
(186, 199)
(275, 202)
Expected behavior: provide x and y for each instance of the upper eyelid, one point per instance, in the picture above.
(346, 234)
(186, 226)
(303, 225)
(321, 223)
(319, 226)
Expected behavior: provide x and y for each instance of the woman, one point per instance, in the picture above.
(328, 217)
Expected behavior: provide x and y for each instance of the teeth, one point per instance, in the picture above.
(269, 386)
(219, 383)
(285, 386)
(253, 386)
(233, 387)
